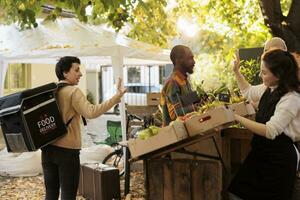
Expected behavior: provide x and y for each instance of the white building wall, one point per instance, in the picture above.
(152, 77)
(42, 74)
(45, 73)
(92, 84)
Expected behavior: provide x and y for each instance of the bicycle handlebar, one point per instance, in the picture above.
(133, 116)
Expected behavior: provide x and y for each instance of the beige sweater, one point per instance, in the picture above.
(72, 102)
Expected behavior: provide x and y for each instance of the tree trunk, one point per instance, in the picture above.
(285, 27)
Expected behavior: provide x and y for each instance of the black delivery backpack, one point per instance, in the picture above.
(31, 119)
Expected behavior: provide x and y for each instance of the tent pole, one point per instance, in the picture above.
(117, 64)
(3, 69)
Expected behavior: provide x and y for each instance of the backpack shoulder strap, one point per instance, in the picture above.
(83, 120)
(61, 85)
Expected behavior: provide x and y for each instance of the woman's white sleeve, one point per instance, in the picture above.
(254, 92)
(286, 110)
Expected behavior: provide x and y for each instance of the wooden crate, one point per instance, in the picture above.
(183, 179)
(153, 99)
(142, 110)
(236, 146)
(220, 116)
(242, 108)
(166, 136)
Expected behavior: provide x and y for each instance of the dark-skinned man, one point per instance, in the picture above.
(177, 97)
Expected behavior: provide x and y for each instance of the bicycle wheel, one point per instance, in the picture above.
(116, 159)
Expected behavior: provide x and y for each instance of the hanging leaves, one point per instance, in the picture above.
(25, 12)
(151, 23)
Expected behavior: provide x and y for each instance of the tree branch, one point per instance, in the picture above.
(293, 18)
(287, 28)
(271, 10)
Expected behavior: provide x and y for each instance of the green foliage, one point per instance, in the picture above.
(285, 6)
(115, 12)
(151, 23)
(213, 73)
(224, 25)
(199, 89)
(250, 69)
(22, 11)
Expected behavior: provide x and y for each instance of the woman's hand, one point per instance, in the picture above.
(236, 62)
(121, 90)
(255, 127)
(241, 81)
(237, 117)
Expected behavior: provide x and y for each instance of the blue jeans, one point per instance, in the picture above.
(61, 168)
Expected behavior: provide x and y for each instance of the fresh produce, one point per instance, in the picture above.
(236, 99)
(201, 109)
(154, 130)
(148, 132)
(210, 105)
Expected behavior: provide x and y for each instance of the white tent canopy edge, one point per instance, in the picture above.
(52, 40)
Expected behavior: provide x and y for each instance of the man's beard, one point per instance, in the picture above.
(188, 69)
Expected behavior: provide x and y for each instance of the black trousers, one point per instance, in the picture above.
(61, 168)
(268, 172)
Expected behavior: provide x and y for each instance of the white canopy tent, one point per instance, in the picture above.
(92, 44)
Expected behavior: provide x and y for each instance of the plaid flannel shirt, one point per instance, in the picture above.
(175, 86)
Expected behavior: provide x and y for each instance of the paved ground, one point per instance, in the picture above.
(32, 188)
(2, 143)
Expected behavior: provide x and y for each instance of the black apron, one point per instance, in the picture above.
(269, 171)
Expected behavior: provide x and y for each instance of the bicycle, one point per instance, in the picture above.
(116, 158)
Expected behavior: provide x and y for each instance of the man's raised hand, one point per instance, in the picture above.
(121, 90)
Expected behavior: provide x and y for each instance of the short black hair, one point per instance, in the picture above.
(64, 65)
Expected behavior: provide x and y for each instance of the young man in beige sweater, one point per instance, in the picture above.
(60, 160)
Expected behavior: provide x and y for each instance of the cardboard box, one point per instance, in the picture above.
(216, 117)
(242, 108)
(153, 99)
(166, 136)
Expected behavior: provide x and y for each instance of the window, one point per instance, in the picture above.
(134, 74)
(142, 88)
(17, 78)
